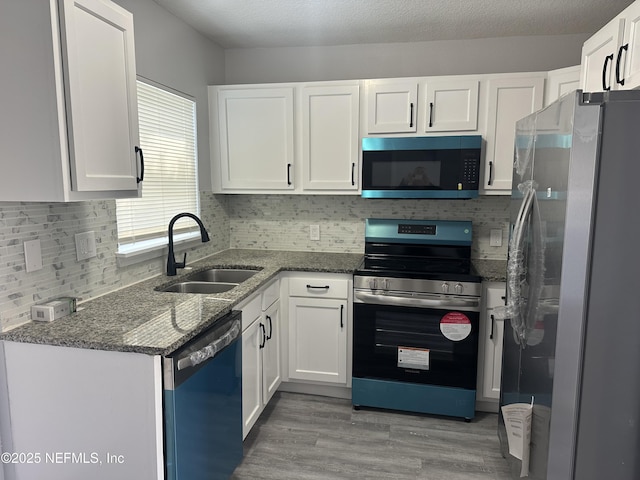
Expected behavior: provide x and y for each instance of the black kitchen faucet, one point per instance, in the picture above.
(172, 265)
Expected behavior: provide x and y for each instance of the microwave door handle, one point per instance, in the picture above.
(416, 301)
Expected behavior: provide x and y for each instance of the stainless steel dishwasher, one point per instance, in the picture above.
(203, 404)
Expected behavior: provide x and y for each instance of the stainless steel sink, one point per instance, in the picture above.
(228, 275)
(200, 287)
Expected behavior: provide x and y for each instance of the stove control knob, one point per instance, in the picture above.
(458, 288)
(386, 284)
(373, 284)
(445, 287)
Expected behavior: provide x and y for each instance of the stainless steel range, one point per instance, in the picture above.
(416, 313)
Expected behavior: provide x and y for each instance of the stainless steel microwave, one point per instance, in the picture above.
(421, 167)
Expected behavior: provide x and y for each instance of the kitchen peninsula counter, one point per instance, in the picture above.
(140, 319)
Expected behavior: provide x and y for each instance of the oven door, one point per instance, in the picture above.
(434, 346)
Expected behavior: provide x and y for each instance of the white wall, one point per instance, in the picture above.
(490, 55)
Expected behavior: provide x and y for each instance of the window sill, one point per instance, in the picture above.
(132, 254)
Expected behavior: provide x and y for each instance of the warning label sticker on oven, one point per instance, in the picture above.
(455, 326)
(417, 358)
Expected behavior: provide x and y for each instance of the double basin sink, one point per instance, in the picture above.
(212, 280)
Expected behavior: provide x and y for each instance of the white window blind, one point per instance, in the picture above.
(167, 125)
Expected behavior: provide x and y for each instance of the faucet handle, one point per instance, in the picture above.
(183, 263)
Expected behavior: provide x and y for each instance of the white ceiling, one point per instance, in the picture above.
(277, 23)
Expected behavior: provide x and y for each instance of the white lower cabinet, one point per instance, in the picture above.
(271, 362)
(490, 343)
(510, 98)
(317, 339)
(99, 406)
(261, 356)
(319, 319)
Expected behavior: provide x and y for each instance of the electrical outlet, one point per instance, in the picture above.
(314, 232)
(496, 237)
(32, 255)
(85, 245)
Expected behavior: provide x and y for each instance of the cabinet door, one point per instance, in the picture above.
(451, 105)
(491, 339)
(330, 137)
(597, 67)
(318, 340)
(252, 405)
(560, 82)
(629, 51)
(510, 99)
(256, 138)
(100, 92)
(271, 356)
(391, 106)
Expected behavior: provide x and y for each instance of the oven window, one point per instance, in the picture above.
(381, 331)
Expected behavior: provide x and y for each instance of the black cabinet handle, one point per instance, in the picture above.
(493, 320)
(264, 336)
(325, 287)
(430, 114)
(490, 174)
(607, 59)
(341, 315)
(288, 174)
(353, 174)
(270, 328)
(411, 115)
(620, 50)
(141, 177)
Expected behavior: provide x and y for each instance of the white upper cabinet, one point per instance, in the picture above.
(510, 98)
(391, 106)
(611, 57)
(450, 105)
(330, 137)
(561, 82)
(69, 106)
(598, 57)
(256, 138)
(629, 51)
(298, 138)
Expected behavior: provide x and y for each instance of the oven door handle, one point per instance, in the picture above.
(395, 300)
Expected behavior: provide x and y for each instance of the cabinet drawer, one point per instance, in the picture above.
(270, 294)
(251, 310)
(319, 287)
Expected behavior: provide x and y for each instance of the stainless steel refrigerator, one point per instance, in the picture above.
(572, 319)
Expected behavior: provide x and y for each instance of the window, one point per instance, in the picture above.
(167, 125)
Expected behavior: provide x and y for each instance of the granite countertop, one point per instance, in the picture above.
(491, 270)
(140, 319)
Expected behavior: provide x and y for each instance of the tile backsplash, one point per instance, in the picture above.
(277, 222)
(55, 225)
(281, 222)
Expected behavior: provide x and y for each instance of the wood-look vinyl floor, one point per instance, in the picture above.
(306, 437)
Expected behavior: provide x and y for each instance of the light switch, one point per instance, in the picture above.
(314, 232)
(32, 255)
(496, 237)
